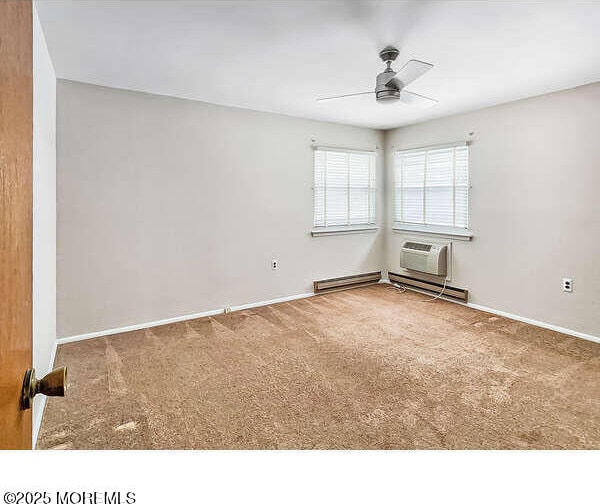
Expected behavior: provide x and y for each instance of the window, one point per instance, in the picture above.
(431, 187)
(344, 188)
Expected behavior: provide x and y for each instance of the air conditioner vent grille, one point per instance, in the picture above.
(417, 246)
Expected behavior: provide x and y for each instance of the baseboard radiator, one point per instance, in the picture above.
(346, 282)
(427, 285)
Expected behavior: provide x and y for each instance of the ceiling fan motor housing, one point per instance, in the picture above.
(387, 90)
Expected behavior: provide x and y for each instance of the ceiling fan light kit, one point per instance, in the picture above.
(389, 84)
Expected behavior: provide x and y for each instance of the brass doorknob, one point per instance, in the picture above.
(53, 384)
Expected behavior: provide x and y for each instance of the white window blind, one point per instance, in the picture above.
(344, 188)
(431, 186)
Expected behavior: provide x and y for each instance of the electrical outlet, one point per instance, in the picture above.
(567, 285)
(274, 264)
(227, 309)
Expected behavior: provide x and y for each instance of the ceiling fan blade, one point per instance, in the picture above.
(416, 99)
(345, 96)
(411, 71)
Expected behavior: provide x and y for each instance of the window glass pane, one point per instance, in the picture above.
(337, 189)
(462, 165)
(372, 191)
(398, 187)
(319, 206)
(412, 204)
(431, 186)
(413, 177)
(413, 168)
(440, 168)
(359, 205)
(320, 162)
(372, 207)
(359, 189)
(438, 201)
(319, 188)
(461, 201)
(461, 198)
(359, 170)
(337, 206)
(344, 188)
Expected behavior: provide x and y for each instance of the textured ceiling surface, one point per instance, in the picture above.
(281, 56)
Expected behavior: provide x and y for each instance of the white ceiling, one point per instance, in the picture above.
(279, 56)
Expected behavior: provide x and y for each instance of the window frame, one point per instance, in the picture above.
(458, 232)
(371, 225)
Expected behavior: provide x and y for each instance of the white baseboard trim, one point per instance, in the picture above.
(272, 301)
(182, 318)
(135, 327)
(512, 316)
(38, 412)
(534, 322)
(191, 316)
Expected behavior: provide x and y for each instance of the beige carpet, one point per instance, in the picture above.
(363, 368)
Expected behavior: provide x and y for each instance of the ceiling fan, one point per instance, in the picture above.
(389, 86)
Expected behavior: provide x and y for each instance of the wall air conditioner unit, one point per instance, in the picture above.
(424, 257)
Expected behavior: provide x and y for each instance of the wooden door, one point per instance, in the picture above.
(16, 145)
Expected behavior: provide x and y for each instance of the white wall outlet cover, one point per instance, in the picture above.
(274, 264)
(567, 285)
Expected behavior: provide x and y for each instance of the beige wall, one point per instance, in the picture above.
(534, 209)
(44, 210)
(168, 207)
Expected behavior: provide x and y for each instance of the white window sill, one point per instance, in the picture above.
(440, 231)
(335, 230)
